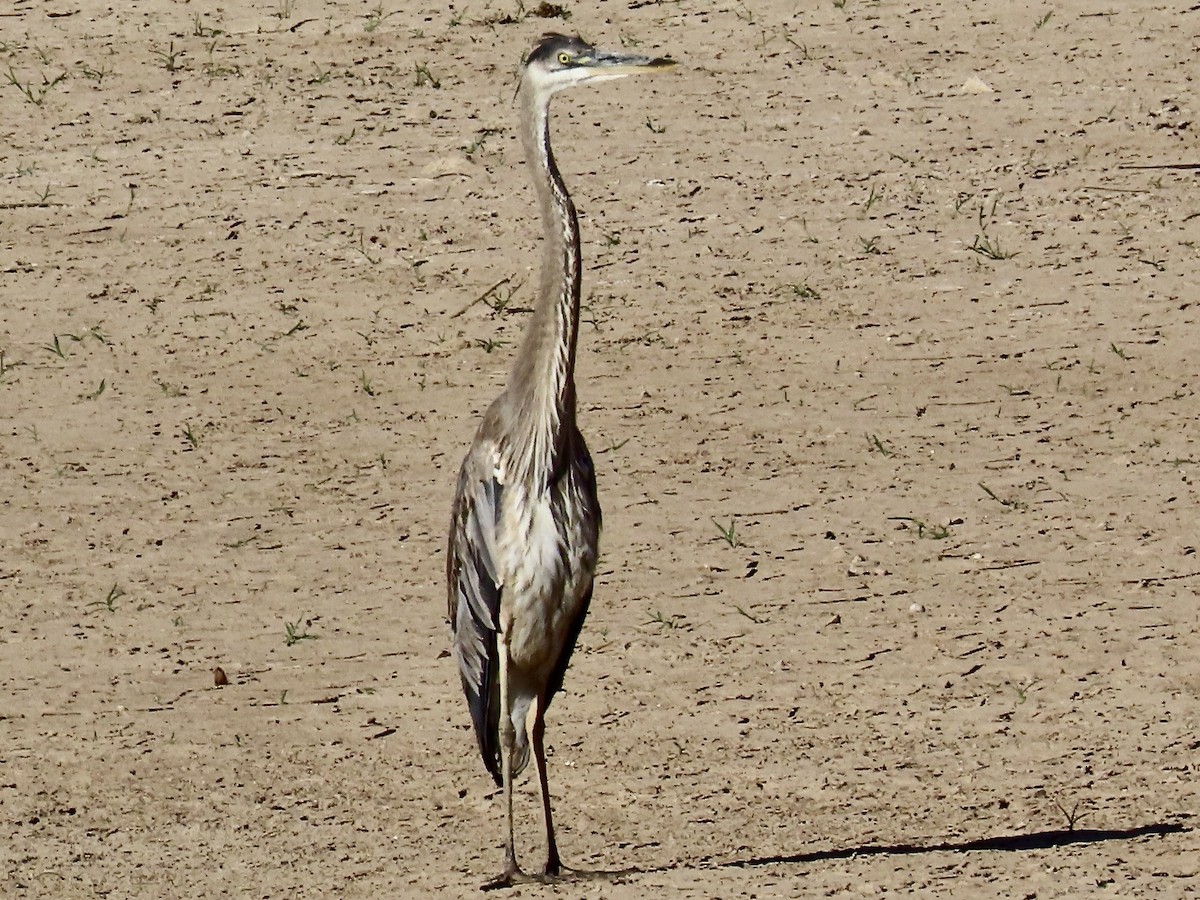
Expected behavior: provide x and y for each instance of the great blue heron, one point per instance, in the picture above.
(526, 521)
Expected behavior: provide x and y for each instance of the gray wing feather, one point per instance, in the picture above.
(474, 596)
(582, 484)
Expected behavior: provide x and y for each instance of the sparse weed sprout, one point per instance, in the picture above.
(295, 632)
(35, 94)
(728, 535)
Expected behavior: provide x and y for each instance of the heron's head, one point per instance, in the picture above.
(559, 62)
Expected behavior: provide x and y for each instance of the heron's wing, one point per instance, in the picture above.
(474, 594)
(554, 685)
(582, 478)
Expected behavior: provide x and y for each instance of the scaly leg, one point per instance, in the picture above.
(537, 732)
(508, 739)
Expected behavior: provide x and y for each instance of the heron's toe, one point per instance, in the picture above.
(512, 876)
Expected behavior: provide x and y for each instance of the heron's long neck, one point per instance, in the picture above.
(542, 384)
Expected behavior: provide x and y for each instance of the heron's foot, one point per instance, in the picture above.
(554, 873)
(512, 876)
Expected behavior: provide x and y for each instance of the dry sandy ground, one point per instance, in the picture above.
(885, 291)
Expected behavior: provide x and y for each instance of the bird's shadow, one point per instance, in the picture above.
(1037, 840)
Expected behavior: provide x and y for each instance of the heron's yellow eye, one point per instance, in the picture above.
(564, 58)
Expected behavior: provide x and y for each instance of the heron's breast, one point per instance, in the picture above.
(549, 564)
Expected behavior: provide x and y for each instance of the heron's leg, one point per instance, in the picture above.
(536, 726)
(508, 739)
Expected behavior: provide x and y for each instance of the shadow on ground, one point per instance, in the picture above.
(1039, 840)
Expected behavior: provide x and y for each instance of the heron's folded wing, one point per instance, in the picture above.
(474, 599)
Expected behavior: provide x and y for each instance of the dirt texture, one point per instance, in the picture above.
(889, 366)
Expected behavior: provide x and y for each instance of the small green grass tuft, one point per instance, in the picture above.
(986, 246)
(661, 620)
(56, 348)
(169, 58)
(728, 535)
(190, 436)
(35, 94)
(752, 618)
(295, 632)
(425, 77)
(1074, 814)
(115, 593)
(376, 17)
(876, 445)
(1006, 502)
(489, 344)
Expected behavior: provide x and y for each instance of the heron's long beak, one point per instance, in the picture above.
(607, 64)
